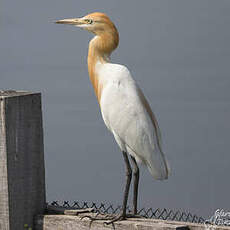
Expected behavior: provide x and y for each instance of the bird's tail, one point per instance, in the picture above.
(158, 166)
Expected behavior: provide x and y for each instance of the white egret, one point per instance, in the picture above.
(124, 108)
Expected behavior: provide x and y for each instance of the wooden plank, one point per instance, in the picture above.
(75, 212)
(64, 222)
(51, 209)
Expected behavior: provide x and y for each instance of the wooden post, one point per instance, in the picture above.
(22, 174)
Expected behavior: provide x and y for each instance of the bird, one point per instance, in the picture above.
(124, 108)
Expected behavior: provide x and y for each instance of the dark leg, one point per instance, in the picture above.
(135, 183)
(122, 216)
(128, 181)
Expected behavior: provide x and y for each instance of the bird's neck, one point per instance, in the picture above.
(100, 48)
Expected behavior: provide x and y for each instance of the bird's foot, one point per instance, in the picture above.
(98, 217)
(122, 216)
(110, 218)
(119, 217)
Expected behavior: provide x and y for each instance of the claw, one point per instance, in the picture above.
(96, 218)
(116, 218)
(110, 219)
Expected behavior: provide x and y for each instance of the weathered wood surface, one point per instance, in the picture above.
(22, 179)
(62, 210)
(64, 222)
(77, 211)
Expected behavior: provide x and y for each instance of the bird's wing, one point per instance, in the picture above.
(128, 115)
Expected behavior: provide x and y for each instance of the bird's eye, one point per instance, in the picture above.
(89, 21)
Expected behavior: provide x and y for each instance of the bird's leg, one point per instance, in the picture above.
(135, 184)
(122, 215)
(128, 181)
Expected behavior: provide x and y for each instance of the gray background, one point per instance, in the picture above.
(177, 50)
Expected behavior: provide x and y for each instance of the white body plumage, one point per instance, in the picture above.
(127, 118)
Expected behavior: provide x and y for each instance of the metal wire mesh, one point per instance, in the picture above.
(164, 214)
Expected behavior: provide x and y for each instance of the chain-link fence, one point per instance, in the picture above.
(164, 214)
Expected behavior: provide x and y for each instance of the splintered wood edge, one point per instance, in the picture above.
(74, 212)
(15, 93)
(67, 211)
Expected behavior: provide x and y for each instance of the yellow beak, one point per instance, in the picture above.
(71, 21)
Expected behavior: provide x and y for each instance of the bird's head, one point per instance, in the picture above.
(96, 23)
